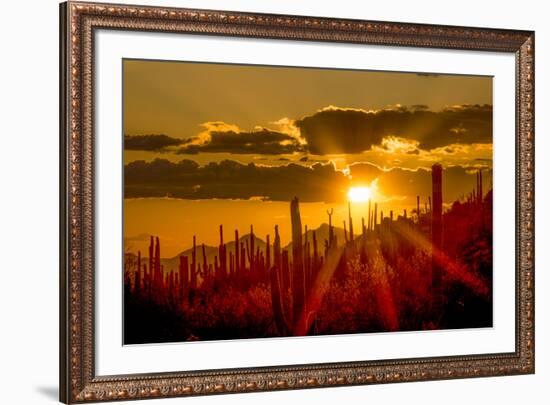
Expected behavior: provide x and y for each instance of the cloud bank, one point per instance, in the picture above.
(334, 130)
(261, 142)
(231, 179)
(153, 142)
(321, 182)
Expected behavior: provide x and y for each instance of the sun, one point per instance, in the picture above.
(359, 194)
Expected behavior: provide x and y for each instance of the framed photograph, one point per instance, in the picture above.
(263, 202)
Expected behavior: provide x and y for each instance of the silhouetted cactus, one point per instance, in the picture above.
(237, 248)
(437, 230)
(369, 226)
(252, 242)
(267, 253)
(330, 228)
(350, 223)
(222, 254)
(278, 293)
(285, 265)
(298, 279)
(346, 239)
(277, 302)
(243, 258)
(194, 269)
(277, 249)
(151, 268)
(315, 255)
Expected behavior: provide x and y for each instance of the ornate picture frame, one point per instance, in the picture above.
(79, 381)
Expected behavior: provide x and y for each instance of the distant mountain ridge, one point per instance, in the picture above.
(321, 235)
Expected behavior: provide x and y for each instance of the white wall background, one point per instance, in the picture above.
(29, 199)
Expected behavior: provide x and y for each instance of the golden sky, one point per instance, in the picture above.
(175, 98)
(221, 132)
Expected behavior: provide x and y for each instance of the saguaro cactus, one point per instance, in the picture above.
(350, 223)
(193, 280)
(298, 278)
(369, 226)
(237, 252)
(250, 250)
(277, 302)
(277, 249)
(330, 229)
(437, 211)
(479, 187)
(315, 256)
(267, 253)
(205, 267)
(151, 258)
(345, 233)
(158, 274)
(278, 292)
(222, 254)
(243, 258)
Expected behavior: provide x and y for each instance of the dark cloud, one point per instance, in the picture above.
(264, 142)
(230, 179)
(336, 130)
(152, 142)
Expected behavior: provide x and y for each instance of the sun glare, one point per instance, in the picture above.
(359, 194)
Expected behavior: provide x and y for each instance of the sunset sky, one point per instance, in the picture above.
(207, 144)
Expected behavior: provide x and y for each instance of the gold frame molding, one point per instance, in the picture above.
(78, 380)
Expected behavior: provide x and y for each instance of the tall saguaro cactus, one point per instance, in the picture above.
(278, 292)
(330, 229)
(158, 274)
(369, 227)
(350, 223)
(222, 251)
(298, 277)
(193, 280)
(277, 249)
(437, 214)
(237, 263)
(267, 253)
(250, 251)
(205, 269)
(151, 258)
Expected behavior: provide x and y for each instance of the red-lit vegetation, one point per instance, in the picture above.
(430, 270)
